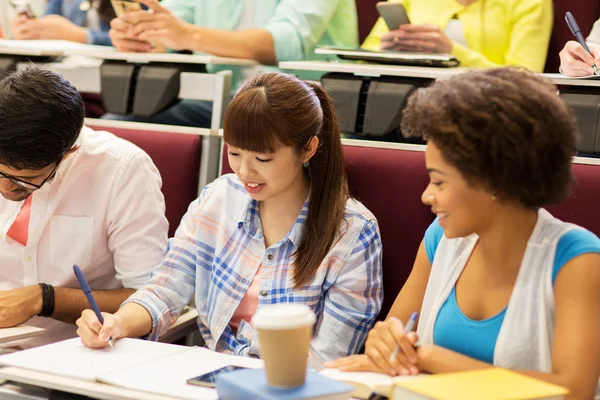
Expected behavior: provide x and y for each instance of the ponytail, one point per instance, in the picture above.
(328, 194)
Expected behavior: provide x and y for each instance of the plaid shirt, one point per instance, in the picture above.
(219, 247)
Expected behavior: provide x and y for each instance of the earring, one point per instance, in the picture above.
(494, 198)
(305, 165)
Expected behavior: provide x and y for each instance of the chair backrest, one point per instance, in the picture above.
(581, 208)
(586, 12)
(367, 16)
(175, 154)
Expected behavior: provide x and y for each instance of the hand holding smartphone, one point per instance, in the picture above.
(394, 14)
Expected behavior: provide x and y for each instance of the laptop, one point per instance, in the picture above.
(391, 57)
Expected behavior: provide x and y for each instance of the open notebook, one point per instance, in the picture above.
(391, 57)
(365, 383)
(139, 365)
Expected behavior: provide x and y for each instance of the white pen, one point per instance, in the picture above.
(407, 328)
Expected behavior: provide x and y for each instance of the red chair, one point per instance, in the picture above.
(367, 16)
(581, 208)
(176, 155)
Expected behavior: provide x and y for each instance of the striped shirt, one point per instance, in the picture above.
(219, 247)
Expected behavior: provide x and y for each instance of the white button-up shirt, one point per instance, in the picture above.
(103, 211)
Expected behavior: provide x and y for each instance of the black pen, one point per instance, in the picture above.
(577, 32)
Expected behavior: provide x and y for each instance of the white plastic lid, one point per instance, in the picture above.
(283, 316)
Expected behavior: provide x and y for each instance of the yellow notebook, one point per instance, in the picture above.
(488, 384)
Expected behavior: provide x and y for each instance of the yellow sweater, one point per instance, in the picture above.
(498, 32)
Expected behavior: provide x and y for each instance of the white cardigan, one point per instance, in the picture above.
(526, 336)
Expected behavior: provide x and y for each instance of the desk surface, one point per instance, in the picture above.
(160, 57)
(57, 48)
(370, 69)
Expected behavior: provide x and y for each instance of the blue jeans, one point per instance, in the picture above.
(194, 113)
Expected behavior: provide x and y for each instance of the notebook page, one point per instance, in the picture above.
(72, 359)
(168, 376)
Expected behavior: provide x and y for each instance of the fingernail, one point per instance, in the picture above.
(404, 371)
(104, 337)
(393, 372)
(414, 371)
(329, 364)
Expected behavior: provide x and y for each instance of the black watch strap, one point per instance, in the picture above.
(47, 300)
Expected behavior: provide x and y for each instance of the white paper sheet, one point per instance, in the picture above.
(72, 359)
(168, 376)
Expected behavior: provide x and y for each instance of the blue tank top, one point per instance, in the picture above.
(477, 339)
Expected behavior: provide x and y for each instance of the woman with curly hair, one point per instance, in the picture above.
(497, 279)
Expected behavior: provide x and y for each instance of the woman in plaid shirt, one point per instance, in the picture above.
(283, 228)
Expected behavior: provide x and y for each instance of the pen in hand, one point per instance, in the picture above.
(83, 283)
(577, 33)
(407, 328)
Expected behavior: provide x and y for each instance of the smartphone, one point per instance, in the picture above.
(124, 6)
(22, 7)
(394, 14)
(208, 379)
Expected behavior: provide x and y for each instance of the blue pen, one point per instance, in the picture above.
(88, 293)
(577, 32)
(409, 327)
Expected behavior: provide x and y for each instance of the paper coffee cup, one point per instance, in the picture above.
(284, 333)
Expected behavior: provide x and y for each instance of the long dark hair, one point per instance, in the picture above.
(275, 109)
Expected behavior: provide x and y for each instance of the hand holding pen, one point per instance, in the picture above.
(577, 58)
(83, 283)
(391, 346)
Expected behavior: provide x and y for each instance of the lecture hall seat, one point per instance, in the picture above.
(177, 157)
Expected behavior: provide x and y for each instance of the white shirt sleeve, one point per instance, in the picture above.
(137, 226)
(594, 37)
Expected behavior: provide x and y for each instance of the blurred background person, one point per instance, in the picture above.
(479, 33)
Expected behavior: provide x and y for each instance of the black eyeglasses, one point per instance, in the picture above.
(29, 185)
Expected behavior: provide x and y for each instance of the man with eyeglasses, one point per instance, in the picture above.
(70, 195)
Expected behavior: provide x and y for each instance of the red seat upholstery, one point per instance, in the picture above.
(586, 12)
(581, 209)
(177, 157)
(367, 15)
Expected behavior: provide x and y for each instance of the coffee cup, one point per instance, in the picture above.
(284, 334)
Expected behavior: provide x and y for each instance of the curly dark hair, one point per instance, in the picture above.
(505, 129)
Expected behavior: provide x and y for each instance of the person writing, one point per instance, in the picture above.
(282, 229)
(497, 279)
(479, 33)
(576, 61)
(69, 195)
